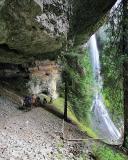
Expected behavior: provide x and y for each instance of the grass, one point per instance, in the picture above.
(102, 152)
(59, 105)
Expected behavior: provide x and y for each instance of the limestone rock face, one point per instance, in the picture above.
(11, 71)
(40, 29)
(38, 77)
(87, 16)
(32, 27)
(45, 78)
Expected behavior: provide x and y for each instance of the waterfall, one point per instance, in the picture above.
(100, 119)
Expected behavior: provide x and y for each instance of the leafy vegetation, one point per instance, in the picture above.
(77, 66)
(103, 152)
(112, 65)
(115, 65)
(80, 82)
(113, 81)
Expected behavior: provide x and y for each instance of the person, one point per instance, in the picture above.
(33, 99)
(38, 101)
(27, 102)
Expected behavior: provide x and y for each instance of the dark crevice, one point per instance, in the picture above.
(34, 28)
(8, 49)
(8, 66)
(45, 92)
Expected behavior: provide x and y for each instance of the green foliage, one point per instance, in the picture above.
(107, 153)
(112, 65)
(82, 157)
(78, 69)
(80, 82)
(113, 81)
(126, 142)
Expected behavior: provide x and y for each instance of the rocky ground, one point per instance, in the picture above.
(38, 135)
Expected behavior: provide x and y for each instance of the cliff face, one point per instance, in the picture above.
(39, 77)
(32, 27)
(33, 30)
(87, 16)
(45, 78)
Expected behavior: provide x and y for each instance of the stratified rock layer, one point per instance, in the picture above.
(35, 78)
(45, 78)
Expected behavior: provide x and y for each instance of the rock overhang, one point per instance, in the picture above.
(38, 27)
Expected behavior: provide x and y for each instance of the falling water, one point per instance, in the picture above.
(101, 121)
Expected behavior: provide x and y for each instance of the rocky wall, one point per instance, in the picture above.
(35, 78)
(32, 27)
(45, 78)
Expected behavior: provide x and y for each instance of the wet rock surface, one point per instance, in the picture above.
(37, 135)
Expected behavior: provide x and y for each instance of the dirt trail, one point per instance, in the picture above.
(37, 135)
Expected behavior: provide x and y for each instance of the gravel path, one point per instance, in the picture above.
(36, 135)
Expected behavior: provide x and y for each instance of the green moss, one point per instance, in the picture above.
(59, 105)
(103, 152)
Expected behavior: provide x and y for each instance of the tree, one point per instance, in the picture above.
(66, 95)
(77, 83)
(112, 62)
(125, 68)
(118, 56)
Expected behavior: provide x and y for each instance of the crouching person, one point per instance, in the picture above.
(27, 103)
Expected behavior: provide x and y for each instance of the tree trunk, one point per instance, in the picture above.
(66, 100)
(125, 69)
(125, 85)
